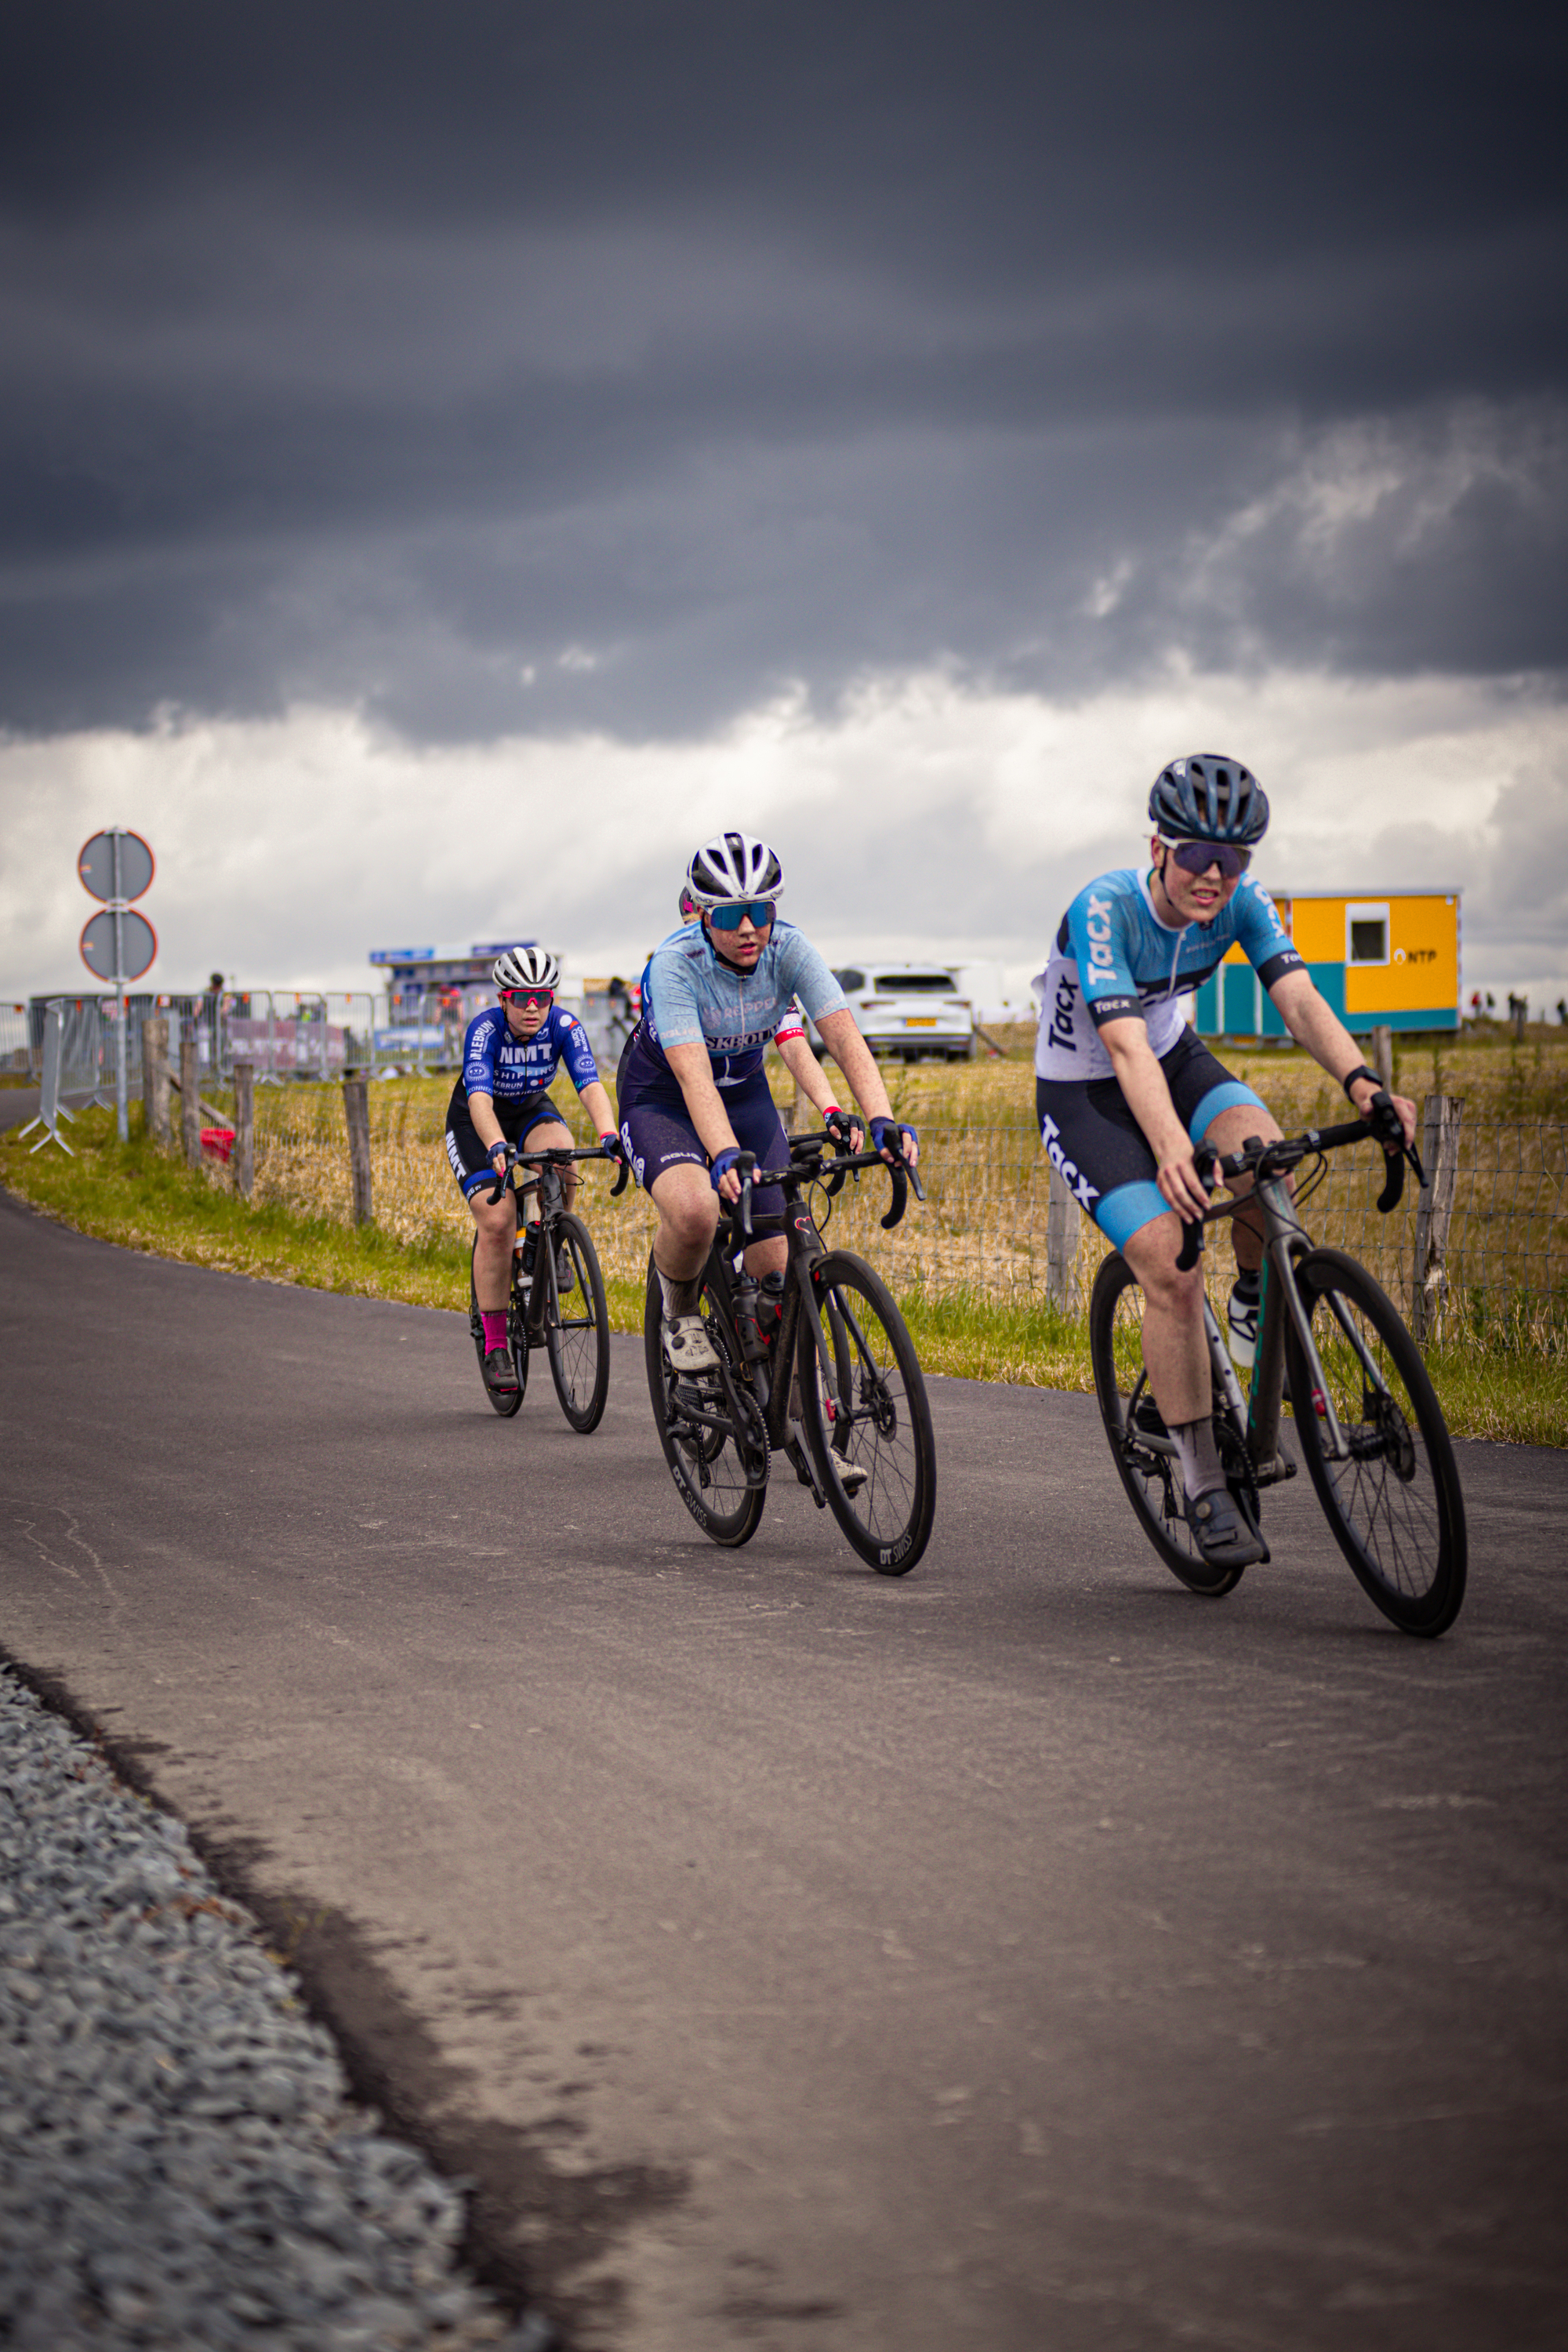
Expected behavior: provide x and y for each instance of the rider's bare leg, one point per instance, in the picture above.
(688, 1216)
(496, 1223)
(1228, 1132)
(1176, 1349)
(551, 1135)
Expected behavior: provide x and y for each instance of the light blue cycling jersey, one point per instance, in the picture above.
(505, 1068)
(1113, 957)
(691, 998)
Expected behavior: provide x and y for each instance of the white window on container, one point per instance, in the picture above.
(1366, 931)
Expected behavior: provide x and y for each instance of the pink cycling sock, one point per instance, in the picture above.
(495, 1328)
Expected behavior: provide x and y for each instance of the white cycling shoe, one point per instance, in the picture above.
(687, 1347)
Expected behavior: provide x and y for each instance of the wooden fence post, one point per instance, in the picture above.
(155, 1078)
(190, 1106)
(1440, 1117)
(1062, 1237)
(245, 1128)
(1383, 1054)
(356, 1106)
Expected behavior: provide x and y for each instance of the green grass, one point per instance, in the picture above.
(1506, 1379)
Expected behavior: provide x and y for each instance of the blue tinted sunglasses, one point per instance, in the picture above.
(1198, 856)
(758, 912)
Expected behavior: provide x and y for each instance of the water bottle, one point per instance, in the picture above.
(770, 1307)
(752, 1345)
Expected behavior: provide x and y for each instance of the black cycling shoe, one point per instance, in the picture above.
(1146, 1418)
(501, 1372)
(1223, 1536)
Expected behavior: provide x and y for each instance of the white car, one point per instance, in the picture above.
(913, 1009)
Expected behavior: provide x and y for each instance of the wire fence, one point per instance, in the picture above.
(986, 1229)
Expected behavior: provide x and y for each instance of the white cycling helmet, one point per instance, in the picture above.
(732, 865)
(526, 968)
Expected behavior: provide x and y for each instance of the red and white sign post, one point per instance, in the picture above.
(117, 944)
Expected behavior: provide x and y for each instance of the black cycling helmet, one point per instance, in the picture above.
(1209, 798)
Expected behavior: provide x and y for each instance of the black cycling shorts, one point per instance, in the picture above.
(471, 1160)
(657, 1130)
(1088, 1130)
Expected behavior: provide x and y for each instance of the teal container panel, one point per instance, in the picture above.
(1329, 980)
(1240, 999)
(1205, 1008)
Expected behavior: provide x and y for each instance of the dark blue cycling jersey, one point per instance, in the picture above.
(505, 1068)
(1114, 958)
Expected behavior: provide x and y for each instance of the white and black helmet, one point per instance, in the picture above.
(733, 865)
(526, 968)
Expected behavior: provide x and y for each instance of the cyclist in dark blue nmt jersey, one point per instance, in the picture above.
(1125, 1090)
(694, 1093)
(511, 1052)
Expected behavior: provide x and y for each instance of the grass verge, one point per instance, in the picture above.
(1505, 1390)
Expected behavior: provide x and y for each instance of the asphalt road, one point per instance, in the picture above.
(1024, 1955)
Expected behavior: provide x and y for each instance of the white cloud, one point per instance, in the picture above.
(923, 817)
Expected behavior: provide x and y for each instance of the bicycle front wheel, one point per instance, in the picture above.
(1393, 1502)
(1152, 1477)
(576, 1327)
(721, 1476)
(865, 1415)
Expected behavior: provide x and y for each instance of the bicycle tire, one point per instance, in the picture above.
(1152, 1480)
(706, 1465)
(578, 1344)
(871, 1412)
(505, 1405)
(1396, 1506)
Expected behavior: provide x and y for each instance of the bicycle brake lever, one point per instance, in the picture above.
(1205, 1161)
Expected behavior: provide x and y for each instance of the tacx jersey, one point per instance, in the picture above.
(689, 998)
(1113, 957)
(505, 1068)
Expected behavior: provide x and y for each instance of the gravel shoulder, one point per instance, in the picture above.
(181, 2161)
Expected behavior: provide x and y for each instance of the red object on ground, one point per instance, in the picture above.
(218, 1140)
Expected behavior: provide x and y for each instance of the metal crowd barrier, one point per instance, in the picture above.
(285, 1034)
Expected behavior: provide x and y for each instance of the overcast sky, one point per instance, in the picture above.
(455, 456)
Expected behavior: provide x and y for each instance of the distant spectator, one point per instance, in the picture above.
(1492, 1003)
(1562, 1013)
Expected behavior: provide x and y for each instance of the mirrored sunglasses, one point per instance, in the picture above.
(523, 998)
(758, 912)
(1198, 856)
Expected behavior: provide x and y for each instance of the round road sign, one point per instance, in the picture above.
(95, 865)
(138, 944)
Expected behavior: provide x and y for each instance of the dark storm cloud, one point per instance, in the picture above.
(541, 366)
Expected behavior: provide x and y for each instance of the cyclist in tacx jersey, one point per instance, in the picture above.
(511, 1052)
(693, 1091)
(1125, 1090)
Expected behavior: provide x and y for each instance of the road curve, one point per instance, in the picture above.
(1023, 1954)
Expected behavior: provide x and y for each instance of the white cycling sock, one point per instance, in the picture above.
(680, 1297)
(1194, 1441)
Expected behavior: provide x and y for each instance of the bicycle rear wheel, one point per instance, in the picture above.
(576, 1328)
(505, 1405)
(1132, 1424)
(1394, 1503)
(867, 1418)
(721, 1477)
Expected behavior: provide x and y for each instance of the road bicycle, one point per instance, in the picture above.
(1362, 1407)
(833, 1383)
(569, 1320)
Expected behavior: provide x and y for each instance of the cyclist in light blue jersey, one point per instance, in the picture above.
(511, 1052)
(1125, 1090)
(694, 1093)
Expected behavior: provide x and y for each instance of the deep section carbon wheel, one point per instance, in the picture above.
(865, 1412)
(713, 1457)
(1153, 1477)
(576, 1328)
(1393, 1502)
